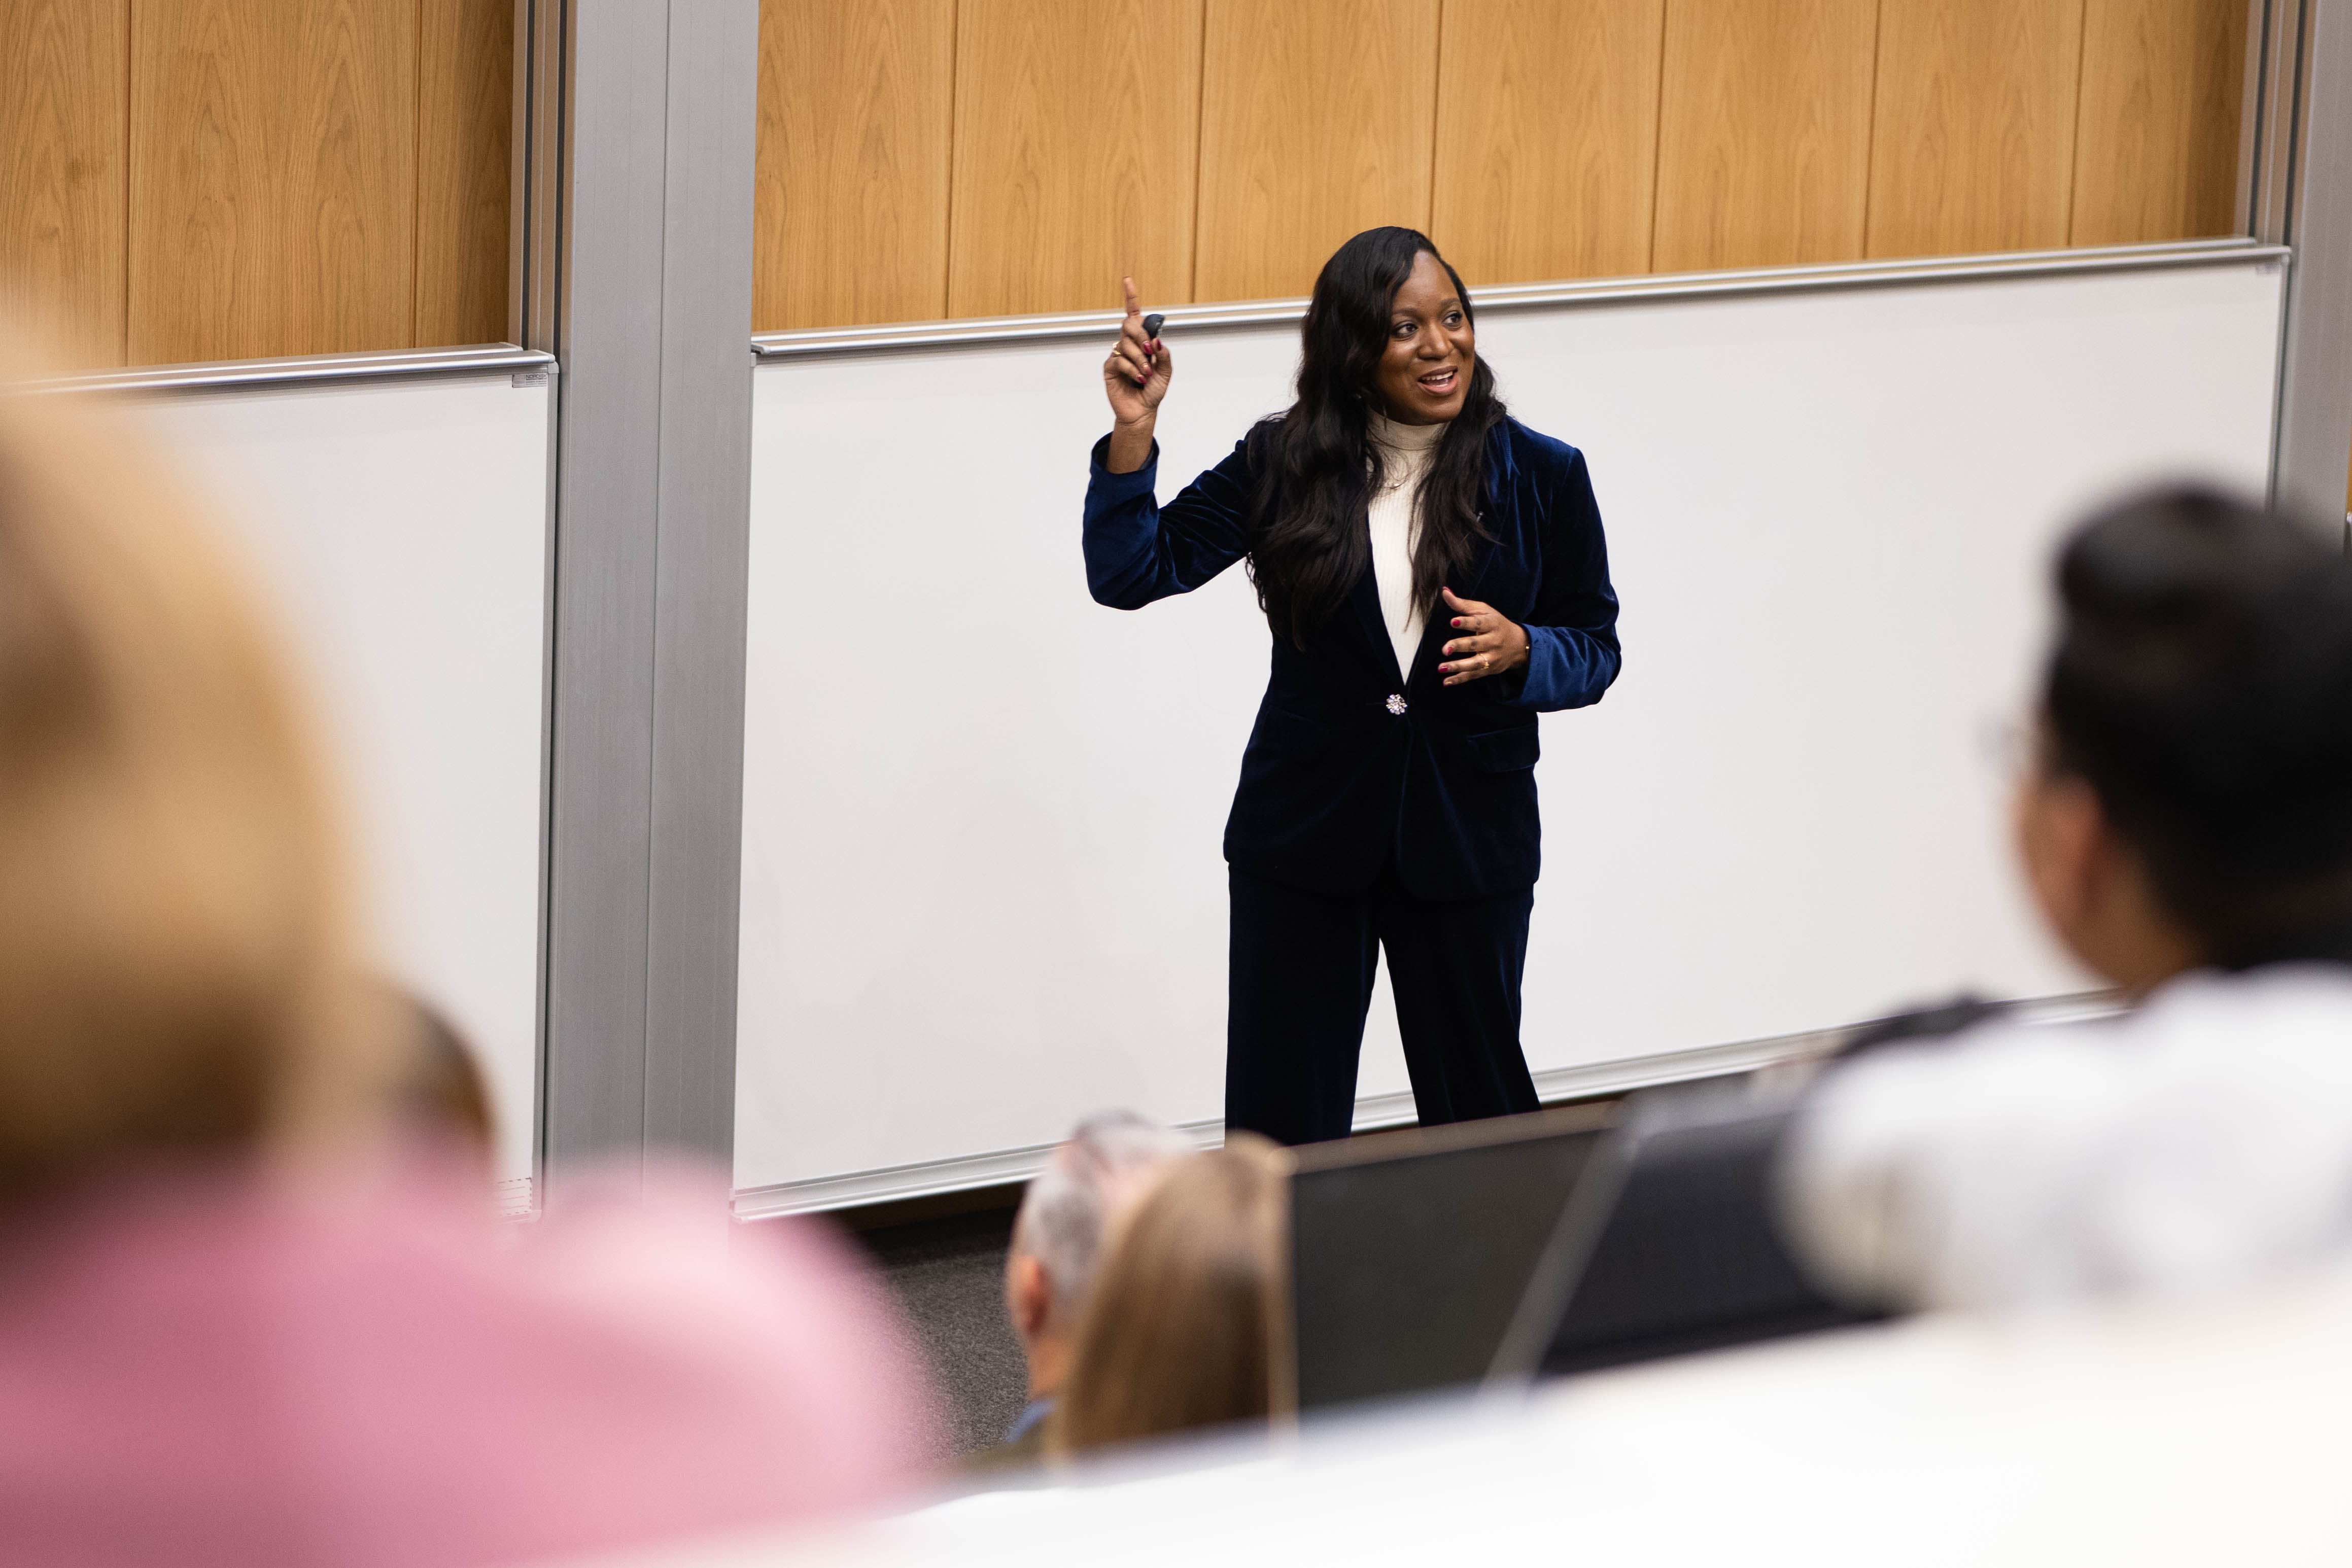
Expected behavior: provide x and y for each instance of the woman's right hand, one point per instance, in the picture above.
(1135, 380)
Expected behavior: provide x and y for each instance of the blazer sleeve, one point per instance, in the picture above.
(1138, 550)
(1572, 655)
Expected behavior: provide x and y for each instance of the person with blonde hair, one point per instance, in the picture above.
(241, 1319)
(440, 1094)
(1188, 1326)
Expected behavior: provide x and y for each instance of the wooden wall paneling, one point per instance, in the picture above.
(273, 177)
(64, 177)
(1764, 133)
(1076, 131)
(1317, 119)
(851, 189)
(1972, 141)
(465, 120)
(2156, 150)
(1547, 137)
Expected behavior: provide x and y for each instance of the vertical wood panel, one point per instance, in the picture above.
(273, 177)
(851, 191)
(2157, 147)
(63, 178)
(1764, 133)
(465, 102)
(1077, 129)
(1317, 122)
(1972, 144)
(1547, 137)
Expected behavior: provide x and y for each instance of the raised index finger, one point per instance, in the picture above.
(1134, 300)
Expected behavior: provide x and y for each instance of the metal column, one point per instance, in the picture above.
(637, 126)
(2301, 177)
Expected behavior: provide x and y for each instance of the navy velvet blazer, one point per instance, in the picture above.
(1355, 763)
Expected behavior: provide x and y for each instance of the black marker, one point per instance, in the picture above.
(1151, 326)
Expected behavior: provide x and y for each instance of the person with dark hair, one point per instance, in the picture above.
(2186, 828)
(1434, 576)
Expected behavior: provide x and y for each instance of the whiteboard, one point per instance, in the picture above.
(399, 528)
(982, 886)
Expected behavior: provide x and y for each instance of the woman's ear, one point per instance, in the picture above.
(2094, 889)
(2061, 832)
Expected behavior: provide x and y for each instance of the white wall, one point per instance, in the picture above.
(982, 892)
(400, 527)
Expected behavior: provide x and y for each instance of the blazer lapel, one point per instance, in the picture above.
(1490, 514)
(1366, 598)
(1482, 556)
(1434, 630)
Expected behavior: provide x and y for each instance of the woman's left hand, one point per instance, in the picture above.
(1491, 643)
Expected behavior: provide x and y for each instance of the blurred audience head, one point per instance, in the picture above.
(2189, 804)
(174, 940)
(1187, 1324)
(439, 1091)
(1057, 1239)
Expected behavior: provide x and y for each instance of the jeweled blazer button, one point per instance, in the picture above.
(1396, 702)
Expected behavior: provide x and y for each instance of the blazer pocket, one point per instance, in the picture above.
(1506, 750)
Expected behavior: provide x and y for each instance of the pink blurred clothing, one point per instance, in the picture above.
(227, 1371)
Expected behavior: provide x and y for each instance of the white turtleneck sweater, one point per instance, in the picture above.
(1405, 451)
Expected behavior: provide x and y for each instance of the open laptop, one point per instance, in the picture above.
(1411, 1250)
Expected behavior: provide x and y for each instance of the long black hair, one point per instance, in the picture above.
(2203, 687)
(1315, 465)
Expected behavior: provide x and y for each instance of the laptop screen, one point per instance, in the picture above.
(1410, 1252)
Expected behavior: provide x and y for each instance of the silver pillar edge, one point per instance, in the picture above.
(651, 301)
(2307, 205)
(702, 575)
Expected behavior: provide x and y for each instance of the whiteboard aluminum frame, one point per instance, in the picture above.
(1591, 1081)
(1005, 1166)
(918, 335)
(304, 369)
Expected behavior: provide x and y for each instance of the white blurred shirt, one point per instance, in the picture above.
(2198, 1143)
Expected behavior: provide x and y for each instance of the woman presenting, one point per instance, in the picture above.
(1434, 577)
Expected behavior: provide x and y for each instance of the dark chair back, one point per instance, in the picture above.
(1670, 1243)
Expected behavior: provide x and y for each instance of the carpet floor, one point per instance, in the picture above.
(949, 1277)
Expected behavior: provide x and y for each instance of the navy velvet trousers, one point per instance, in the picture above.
(1300, 982)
